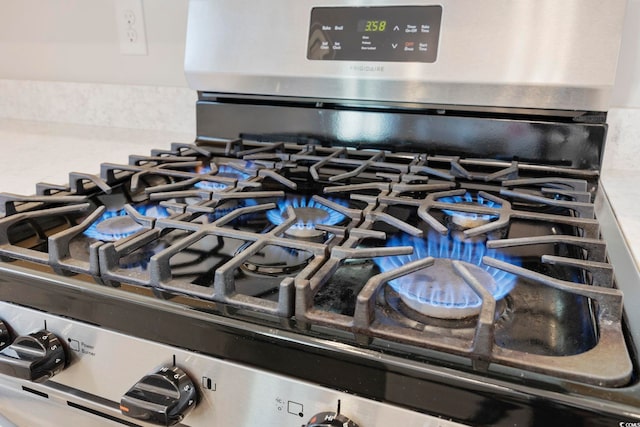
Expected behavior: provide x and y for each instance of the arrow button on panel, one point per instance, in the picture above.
(394, 45)
(396, 28)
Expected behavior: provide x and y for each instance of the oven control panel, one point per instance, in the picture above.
(112, 376)
(387, 34)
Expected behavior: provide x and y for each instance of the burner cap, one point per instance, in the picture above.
(117, 227)
(309, 213)
(307, 217)
(465, 221)
(275, 260)
(438, 291)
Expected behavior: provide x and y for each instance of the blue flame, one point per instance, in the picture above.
(278, 216)
(93, 232)
(223, 171)
(468, 199)
(439, 246)
(210, 185)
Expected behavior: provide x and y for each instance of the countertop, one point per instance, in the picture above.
(622, 187)
(47, 152)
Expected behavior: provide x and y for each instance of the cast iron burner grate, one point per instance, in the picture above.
(354, 241)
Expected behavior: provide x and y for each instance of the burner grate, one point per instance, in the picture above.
(230, 237)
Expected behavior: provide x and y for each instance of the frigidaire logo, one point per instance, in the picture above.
(371, 68)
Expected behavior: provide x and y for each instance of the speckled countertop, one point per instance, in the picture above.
(47, 152)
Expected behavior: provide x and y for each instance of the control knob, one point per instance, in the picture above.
(330, 419)
(34, 357)
(5, 336)
(164, 397)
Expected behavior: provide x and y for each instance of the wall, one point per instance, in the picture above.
(622, 149)
(626, 93)
(76, 40)
(61, 62)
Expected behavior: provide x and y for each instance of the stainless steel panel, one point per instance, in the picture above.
(106, 364)
(520, 54)
(23, 409)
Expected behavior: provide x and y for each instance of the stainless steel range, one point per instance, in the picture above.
(391, 214)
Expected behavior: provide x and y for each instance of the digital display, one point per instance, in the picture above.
(366, 26)
(385, 33)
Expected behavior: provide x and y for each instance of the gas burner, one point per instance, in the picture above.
(438, 291)
(115, 225)
(274, 260)
(402, 313)
(224, 171)
(309, 213)
(118, 226)
(466, 220)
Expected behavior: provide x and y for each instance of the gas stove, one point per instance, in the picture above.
(333, 257)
